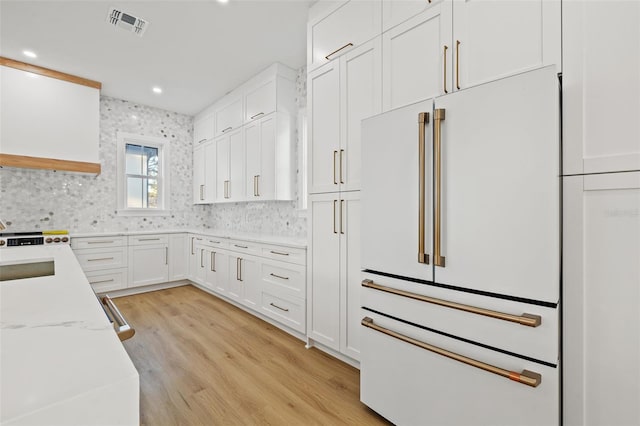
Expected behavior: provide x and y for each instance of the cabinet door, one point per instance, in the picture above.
(500, 188)
(414, 54)
(494, 39)
(193, 257)
(148, 264)
(251, 281)
(260, 100)
(209, 172)
(222, 168)
(601, 86)
(390, 186)
(235, 188)
(324, 297)
(201, 264)
(395, 12)
(601, 275)
(324, 128)
(351, 24)
(217, 270)
(361, 88)
(235, 287)
(203, 128)
(178, 257)
(252, 137)
(351, 313)
(229, 116)
(199, 165)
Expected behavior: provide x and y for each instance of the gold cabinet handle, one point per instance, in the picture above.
(227, 129)
(278, 307)
(213, 261)
(202, 258)
(341, 216)
(335, 182)
(341, 154)
(445, 69)
(278, 276)
(102, 281)
(278, 252)
(438, 117)
(256, 115)
(166, 255)
(530, 320)
(99, 259)
(192, 238)
(201, 192)
(458, 64)
(257, 185)
(328, 57)
(525, 377)
(334, 216)
(423, 119)
(239, 271)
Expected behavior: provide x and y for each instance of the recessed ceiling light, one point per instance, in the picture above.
(157, 90)
(29, 54)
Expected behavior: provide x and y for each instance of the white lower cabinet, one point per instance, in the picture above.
(601, 319)
(106, 280)
(104, 261)
(149, 264)
(217, 272)
(333, 313)
(178, 257)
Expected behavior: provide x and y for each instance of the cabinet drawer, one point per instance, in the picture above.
(285, 254)
(102, 258)
(287, 310)
(407, 383)
(214, 242)
(107, 280)
(98, 242)
(245, 247)
(141, 240)
(284, 278)
(539, 342)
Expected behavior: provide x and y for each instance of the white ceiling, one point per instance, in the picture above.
(196, 51)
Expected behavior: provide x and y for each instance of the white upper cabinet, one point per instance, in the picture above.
(337, 27)
(601, 86)
(204, 173)
(341, 94)
(413, 57)
(203, 127)
(271, 90)
(229, 112)
(395, 12)
(44, 116)
(494, 39)
(230, 151)
(260, 100)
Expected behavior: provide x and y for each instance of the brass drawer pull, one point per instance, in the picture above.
(102, 258)
(458, 64)
(529, 320)
(227, 129)
(525, 377)
(445, 69)
(149, 239)
(278, 307)
(256, 115)
(100, 242)
(239, 246)
(279, 253)
(213, 261)
(278, 276)
(101, 281)
(328, 57)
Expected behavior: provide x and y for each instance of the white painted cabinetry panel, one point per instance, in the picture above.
(148, 264)
(229, 113)
(178, 257)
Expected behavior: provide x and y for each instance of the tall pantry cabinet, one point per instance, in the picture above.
(343, 91)
(601, 261)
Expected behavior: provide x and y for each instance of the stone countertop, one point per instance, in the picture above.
(61, 361)
(259, 238)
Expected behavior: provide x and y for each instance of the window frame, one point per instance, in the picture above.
(123, 139)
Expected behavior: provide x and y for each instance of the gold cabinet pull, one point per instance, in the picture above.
(166, 255)
(202, 258)
(438, 117)
(445, 68)
(423, 119)
(256, 115)
(334, 216)
(213, 261)
(525, 377)
(341, 154)
(278, 276)
(530, 320)
(341, 216)
(279, 252)
(99, 259)
(227, 129)
(201, 192)
(328, 57)
(335, 182)
(257, 185)
(278, 307)
(239, 269)
(102, 281)
(192, 238)
(458, 64)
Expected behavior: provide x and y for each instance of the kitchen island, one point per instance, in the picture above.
(60, 360)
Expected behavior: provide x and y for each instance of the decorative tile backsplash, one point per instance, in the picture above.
(43, 199)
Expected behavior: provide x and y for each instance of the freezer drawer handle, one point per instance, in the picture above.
(526, 377)
(123, 329)
(529, 320)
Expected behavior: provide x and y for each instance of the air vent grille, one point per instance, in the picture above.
(127, 22)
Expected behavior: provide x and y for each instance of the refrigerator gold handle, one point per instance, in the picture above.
(341, 154)
(529, 320)
(445, 68)
(423, 119)
(525, 377)
(438, 117)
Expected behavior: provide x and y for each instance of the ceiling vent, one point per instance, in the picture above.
(119, 19)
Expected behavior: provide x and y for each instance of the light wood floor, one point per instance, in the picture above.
(203, 361)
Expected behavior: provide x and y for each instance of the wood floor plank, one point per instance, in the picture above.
(203, 361)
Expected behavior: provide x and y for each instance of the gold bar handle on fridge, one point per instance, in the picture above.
(438, 117)
(445, 69)
(525, 377)
(423, 119)
(530, 320)
(458, 64)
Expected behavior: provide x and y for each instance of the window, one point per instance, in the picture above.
(143, 183)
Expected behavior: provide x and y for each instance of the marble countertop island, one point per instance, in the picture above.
(61, 361)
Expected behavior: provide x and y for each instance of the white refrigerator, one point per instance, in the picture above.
(461, 256)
